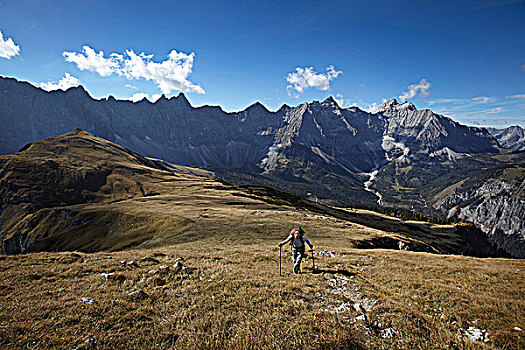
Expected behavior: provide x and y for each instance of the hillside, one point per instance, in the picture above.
(80, 192)
(512, 137)
(232, 297)
(399, 156)
(378, 282)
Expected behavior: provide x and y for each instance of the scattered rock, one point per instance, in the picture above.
(88, 300)
(178, 266)
(150, 259)
(138, 295)
(347, 288)
(133, 263)
(90, 342)
(518, 329)
(327, 253)
(388, 333)
(476, 334)
(107, 276)
(153, 272)
(63, 290)
(123, 263)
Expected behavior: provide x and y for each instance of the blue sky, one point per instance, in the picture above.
(465, 59)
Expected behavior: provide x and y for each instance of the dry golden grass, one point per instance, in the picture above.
(233, 298)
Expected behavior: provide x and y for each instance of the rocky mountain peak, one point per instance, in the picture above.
(389, 104)
(76, 90)
(256, 107)
(330, 101)
(284, 108)
(394, 105)
(181, 98)
(512, 137)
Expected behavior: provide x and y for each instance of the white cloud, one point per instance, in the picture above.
(483, 99)
(131, 86)
(139, 96)
(304, 78)
(340, 100)
(372, 108)
(93, 61)
(422, 87)
(8, 48)
(518, 96)
(170, 74)
(494, 110)
(344, 103)
(64, 83)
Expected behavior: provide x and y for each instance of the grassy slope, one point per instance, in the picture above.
(100, 196)
(234, 298)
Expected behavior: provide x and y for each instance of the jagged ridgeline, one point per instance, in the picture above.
(399, 156)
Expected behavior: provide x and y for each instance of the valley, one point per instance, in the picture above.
(112, 249)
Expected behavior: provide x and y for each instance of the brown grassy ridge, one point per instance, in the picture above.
(80, 192)
(233, 298)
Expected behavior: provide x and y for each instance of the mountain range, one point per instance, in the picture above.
(80, 192)
(512, 137)
(398, 156)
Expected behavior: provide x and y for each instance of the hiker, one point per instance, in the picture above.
(297, 240)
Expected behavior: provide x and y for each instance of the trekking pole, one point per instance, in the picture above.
(280, 250)
(313, 260)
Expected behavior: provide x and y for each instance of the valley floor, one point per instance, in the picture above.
(232, 297)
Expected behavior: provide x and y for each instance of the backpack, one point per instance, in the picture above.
(300, 237)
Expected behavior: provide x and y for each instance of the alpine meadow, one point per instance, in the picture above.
(262, 175)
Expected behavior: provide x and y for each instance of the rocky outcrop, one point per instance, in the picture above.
(512, 137)
(497, 207)
(424, 132)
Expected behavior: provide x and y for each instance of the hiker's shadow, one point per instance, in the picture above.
(333, 272)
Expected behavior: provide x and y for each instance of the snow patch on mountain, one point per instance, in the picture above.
(389, 144)
(449, 153)
(368, 183)
(318, 127)
(322, 154)
(348, 126)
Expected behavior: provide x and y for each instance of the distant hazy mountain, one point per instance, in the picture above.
(512, 137)
(399, 156)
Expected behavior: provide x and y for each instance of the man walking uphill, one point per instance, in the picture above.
(297, 241)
